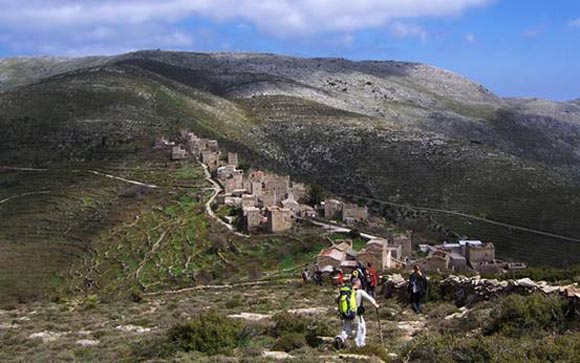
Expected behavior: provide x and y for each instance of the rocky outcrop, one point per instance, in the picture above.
(466, 291)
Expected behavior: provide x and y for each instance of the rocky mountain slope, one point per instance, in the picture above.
(404, 133)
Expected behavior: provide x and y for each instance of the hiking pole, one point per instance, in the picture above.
(380, 328)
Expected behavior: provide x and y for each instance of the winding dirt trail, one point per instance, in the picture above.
(22, 195)
(216, 190)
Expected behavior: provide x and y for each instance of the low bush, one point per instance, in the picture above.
(535, 314)
(290, 342)
(210, 333)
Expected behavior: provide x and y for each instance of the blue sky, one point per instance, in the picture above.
(524, 48)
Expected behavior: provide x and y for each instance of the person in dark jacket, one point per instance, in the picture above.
(416, 288)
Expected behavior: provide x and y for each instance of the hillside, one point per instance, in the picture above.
(400, 132)
(106, 250)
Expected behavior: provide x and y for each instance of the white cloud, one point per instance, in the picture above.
(405, 30)
(275, 16)
(470, 38)
(99, 21)
(575, 23)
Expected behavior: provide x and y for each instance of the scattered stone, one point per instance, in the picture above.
(276, 355)
(250, 316)
(46, 336)
(84, 333)
(309, 311)
(87, 342)
(133, 329)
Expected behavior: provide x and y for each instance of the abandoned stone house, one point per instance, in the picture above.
(213, 146)
(226, 171)
(178, 153)
(307, 211)
(352, 213)
(278, 185)
(480, 254)
(248, 200)
(233, 183)
(298, 190)
(268, 199)
(255, 188)
(330, 257)
(405, 241)
(210, 158)
(291, 204)
(233, 159)
(252, 219)
(256, 176)
(279, 219)
(380, 254)
(456, 261)
(436, 261)
(332, 209)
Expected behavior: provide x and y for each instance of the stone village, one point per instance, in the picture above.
(270, 203)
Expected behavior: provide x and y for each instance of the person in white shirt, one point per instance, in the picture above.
(361, 329)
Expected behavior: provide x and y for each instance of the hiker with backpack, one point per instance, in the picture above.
(417, 287)
(372, 279)
(351, 308)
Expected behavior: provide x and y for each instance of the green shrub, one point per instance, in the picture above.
(290, 342)
(529, 315)
(209, 333)
(285, 323)
(234, 302)
(372, 350)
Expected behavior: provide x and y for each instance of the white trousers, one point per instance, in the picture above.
(361, 330)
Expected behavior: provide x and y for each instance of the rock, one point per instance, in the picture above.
(87, 342)
(275, 355)
(309, 311)
(133, 329)
(250, 316)
(46, 336)
(526, 282)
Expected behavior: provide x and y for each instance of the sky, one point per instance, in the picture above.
(516, 48)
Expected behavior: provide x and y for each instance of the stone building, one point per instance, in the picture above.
(330, 257)
(457, 262)
(213, 146)
(332, 209)
(436, 261)
(252, 219)
(404, 240)
(299, 191)
(279, 219)
(248, 200)
(234, 182)
(292, 204)
(307, 211)
(482, 254)
(226, 171)
(178, 153)
(278, 185)
(256, 176)
(255, 188)
(233, 159)
(268, 199)
(210, 158)
(352, 213)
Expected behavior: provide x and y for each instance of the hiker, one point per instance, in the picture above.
(305, 277)
(351, 310)
(417, 287)
(337, 277)
(317, 277)
(372, 279)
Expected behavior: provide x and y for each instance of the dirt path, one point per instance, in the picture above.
(22, 195)
(217, 189)
(459, 214)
